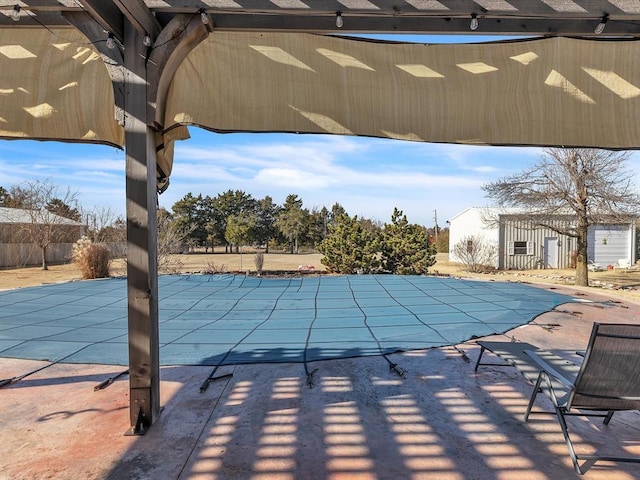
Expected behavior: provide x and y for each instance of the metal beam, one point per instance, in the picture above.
(142, 269)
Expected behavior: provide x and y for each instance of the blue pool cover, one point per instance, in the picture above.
(232, 319)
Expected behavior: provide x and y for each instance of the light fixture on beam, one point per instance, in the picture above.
(15, 13)
(339, 20)
(474, 22)
(111, 42)
(204, 18)
(603, 23)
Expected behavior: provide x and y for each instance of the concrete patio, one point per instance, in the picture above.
(359, 421)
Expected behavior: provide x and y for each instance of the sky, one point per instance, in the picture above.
(367, 176)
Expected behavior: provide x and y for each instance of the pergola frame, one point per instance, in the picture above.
(141, 77)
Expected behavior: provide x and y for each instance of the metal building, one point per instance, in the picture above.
(522, 244)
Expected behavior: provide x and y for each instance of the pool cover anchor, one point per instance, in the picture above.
(310, 383)
(105, 383)
(462, 353)
(6, 381)
(394, 367)
(211, 378)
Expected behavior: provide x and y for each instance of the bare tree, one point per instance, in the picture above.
(48, 211)
(477, 254)
(171, 240)
(99, 222)
(592, 186)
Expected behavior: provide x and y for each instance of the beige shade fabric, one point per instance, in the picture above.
(54, 86)
(548, 92)
(552, 92)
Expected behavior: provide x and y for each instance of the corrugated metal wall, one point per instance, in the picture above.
(533, 255)
(609, 243)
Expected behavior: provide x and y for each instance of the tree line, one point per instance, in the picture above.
(349, 244)
(235, 218)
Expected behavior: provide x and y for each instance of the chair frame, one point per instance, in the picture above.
(562, 406)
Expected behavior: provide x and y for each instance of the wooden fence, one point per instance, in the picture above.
(18, 255)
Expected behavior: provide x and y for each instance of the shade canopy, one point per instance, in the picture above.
(554, 91)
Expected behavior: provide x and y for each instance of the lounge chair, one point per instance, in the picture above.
(608, 380)
(594, 267)
(622, 264)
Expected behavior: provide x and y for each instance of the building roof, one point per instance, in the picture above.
(498, 212)
(22, 216)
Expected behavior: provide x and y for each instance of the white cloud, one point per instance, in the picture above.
(292, 178)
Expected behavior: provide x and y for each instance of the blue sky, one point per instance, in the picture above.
(368, 176)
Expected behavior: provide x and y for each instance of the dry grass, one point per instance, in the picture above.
(611, 280)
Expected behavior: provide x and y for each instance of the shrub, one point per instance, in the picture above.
(211, 268)
(92, 258)
(476, 254)
(259, 261)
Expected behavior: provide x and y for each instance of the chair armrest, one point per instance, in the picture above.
(549, 369)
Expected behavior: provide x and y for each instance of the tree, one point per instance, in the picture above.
(187, 219)
(114, 232)
(265, 228)
(406, 248)
(46, 210)
(103, 225)
(59, 207)
(476, 254)
(240, 230)
(291, 221)
(350, 247)
(207, 213)
(171, 239)
(594, 186)
(442, 242)
(317, 226)
(227, 204)
(5, 197)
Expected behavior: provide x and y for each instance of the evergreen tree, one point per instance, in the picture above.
(230, 203)
(58, 207)
(240, 229)
(5, 197)
(349, 247)
(317, 224)
(292, 221)
(188, 220)
(406, 248)
(265, 228)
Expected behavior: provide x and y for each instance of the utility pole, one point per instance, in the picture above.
(435, 221)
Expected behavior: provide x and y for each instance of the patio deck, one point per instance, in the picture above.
(359, 421)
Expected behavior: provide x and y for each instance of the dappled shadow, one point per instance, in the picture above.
(363, 421)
